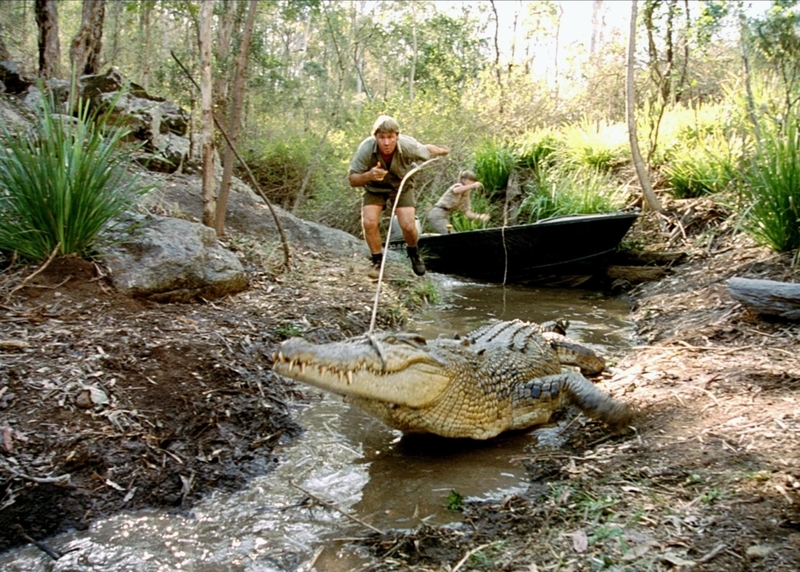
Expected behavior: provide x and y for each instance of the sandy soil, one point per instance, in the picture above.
(109, 404)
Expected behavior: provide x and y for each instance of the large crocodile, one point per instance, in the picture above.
(506, 375)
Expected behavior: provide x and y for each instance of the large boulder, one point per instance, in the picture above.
(170, 260)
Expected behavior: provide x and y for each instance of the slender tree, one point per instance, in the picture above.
(207, 113)
(4, 53)
(49, 45)
(630, 100)
(235, 115)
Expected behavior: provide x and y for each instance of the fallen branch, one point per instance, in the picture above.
(38, 271)
(51, 552)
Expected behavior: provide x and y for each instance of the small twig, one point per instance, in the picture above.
(337, 509)
(471, 552)
(51, 552)
(719, 548)
(39, 271)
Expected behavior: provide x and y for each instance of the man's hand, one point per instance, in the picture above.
(437, 151)
(377, 173)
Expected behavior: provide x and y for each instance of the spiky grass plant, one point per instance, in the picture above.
(536, 149)
(696, 170)
(493, 163)
(770, 188)
(480, 203)
(61, 183)
(559, 191)
(598, 145)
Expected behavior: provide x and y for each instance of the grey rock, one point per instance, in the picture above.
(170, 260)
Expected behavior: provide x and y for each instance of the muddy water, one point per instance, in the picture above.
(348, 459)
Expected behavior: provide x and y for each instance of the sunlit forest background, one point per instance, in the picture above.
(541, 120)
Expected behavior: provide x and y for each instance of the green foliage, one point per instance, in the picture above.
(480, 204)
(695, 170)
(422, 293)
(62, 183)
(288, 330)
(598, 144)
(537, 149)
(455, 501)
(770, 188)
(560, 190)
(493, 163)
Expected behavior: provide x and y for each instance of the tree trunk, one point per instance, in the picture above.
(145, 32)
(630, 101)
(207, 113)
(224, 61)
(235, 115)
(49, 46)
(413, 52)
(84, 53)
(767, 297)
(500, 106)
(4, 53)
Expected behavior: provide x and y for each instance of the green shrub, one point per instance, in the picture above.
(558, 191)
(536, 149)
(493, 163)
(693, 171)
(61, 183)
(770, 188)
(480, 204)
(598, 145)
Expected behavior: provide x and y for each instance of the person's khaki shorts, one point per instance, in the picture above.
(386, 200)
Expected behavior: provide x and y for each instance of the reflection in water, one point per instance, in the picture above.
(346, 458)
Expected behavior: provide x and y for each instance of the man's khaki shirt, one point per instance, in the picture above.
(408, 152)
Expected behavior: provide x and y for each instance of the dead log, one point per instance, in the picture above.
(767, 297)
(636, 274)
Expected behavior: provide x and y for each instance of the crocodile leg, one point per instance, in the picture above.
(533, 402)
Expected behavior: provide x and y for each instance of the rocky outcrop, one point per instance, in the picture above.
(170, 260)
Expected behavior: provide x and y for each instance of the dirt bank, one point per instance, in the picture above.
(111, 404)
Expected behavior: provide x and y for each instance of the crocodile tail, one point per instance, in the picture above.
(594, 402)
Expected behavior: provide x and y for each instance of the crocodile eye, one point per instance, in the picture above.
(415, 341)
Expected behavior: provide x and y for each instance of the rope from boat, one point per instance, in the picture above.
(388, 238)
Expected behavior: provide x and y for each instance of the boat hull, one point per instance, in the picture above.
(579, 245)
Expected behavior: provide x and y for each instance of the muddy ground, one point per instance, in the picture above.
(110, 404)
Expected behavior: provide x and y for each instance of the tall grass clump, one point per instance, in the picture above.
(696, 170)
(479, 203)
(770, 188)
(598, 145)
(493, 163)
(536, 149)
(62, 182)
(559, 191)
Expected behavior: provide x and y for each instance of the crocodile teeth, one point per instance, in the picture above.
(349, 377)
(323, 370)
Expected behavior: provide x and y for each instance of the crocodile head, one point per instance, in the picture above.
(395, 368)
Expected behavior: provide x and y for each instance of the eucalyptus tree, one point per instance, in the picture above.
(49, 44)
(84, 51)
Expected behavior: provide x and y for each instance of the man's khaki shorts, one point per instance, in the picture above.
(386, 200)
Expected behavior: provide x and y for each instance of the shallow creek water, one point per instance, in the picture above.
(345, 458)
